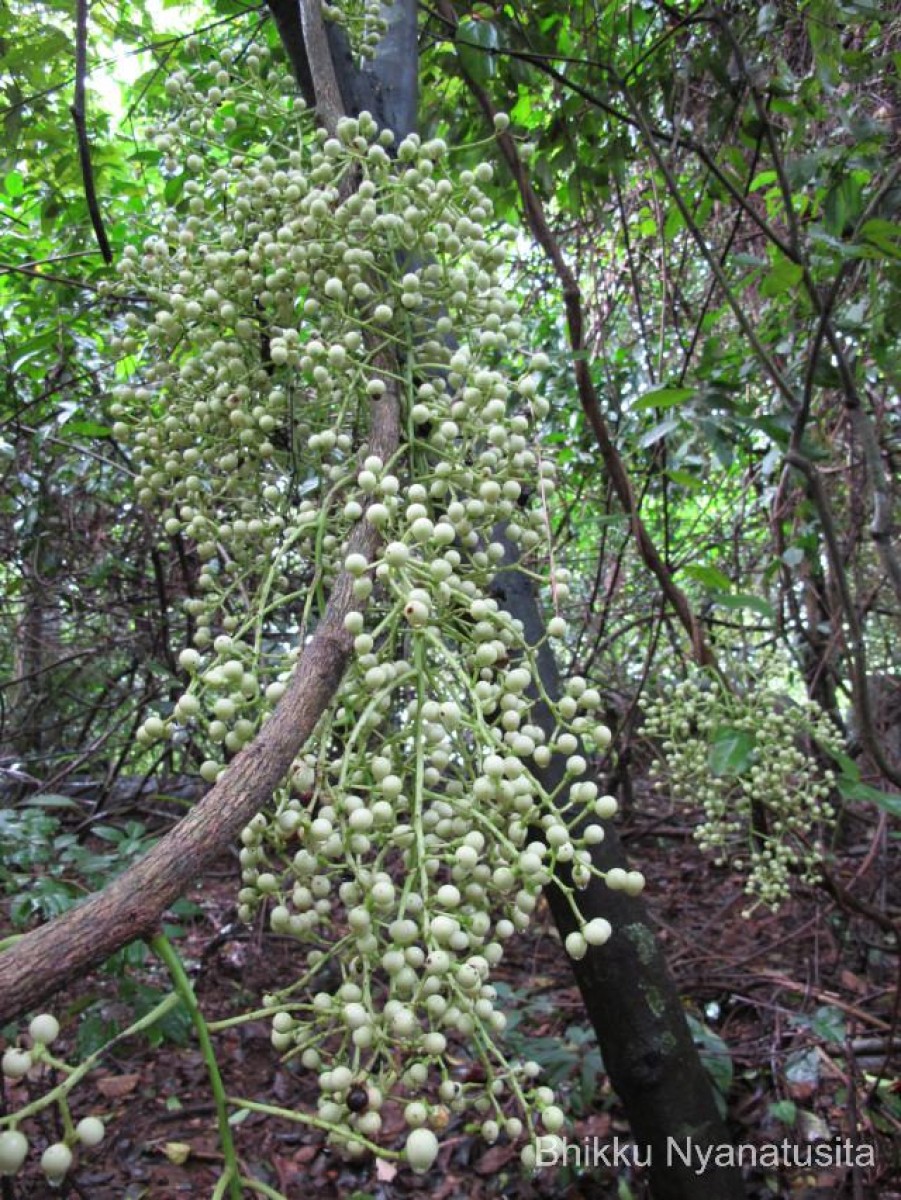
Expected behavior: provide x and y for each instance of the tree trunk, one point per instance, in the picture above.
(631, 998)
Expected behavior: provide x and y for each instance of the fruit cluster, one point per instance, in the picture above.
(306, 280)
(747, 755)
(18, 1064)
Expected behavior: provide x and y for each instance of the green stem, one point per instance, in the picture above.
(305, 1118)
(168, 955)
(62, 1089)
(257, 1185)
(225, 1180)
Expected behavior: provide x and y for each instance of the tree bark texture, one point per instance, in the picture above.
(630, 996)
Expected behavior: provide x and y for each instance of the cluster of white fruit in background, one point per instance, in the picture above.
(362, 20)
(303, 283)
(773, 772)
(17, 1064)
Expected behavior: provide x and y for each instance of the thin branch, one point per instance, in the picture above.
(78, 115)
(542, 63)
(766, 360)
(11, 268)
(855, 633)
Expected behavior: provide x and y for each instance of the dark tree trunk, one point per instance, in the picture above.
(630, 996)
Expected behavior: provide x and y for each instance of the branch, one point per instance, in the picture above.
(327, 93)
(857, 646)
(43, 961)
(84, 150)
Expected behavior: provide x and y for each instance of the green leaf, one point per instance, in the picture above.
(785, 1111)
(803, 1066)
(685, 479)
(94, 1032)
(714, 1054)
(783, 276)
(658, 432)
(829, 1023)
(853, 789)
(730, 750)
(720, 445)
(744, 600)
(764, 179)
(107, 833)
(174, 188)
(13, 184)
(663, 397)
(50, 800)
(709, 576)
(474, 41)
(884, 235)
(843, 204)
(849, 768)
(88, 429)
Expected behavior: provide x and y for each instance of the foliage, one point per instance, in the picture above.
(721, 202)
(46, 869)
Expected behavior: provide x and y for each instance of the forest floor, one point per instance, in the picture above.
(795, 1013)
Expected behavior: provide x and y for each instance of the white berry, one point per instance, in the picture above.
(13, 1149)
(90, 1131)
(16, 1063)
(421, 1149)
(56, 1161)
(44, 1029)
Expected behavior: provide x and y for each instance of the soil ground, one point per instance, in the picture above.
(796, 1014)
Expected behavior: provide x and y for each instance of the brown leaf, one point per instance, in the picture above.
(854, 983)
(114, 1086)
(494, 1159)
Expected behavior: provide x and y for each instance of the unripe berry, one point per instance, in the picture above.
(13, 1151)
(90, 1131)
(421, 1149)
(16, 1063)
(56, 1161)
